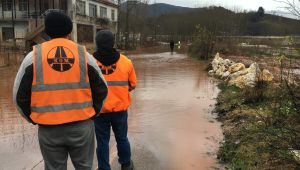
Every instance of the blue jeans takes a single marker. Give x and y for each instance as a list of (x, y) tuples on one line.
[(118, 122)]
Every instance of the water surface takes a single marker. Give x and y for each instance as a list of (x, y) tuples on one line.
[(170, 122)]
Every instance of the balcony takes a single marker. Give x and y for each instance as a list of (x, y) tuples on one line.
[(85, 19), (17, 16)]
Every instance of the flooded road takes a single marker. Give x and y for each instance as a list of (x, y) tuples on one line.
[(19, 147), (170, 122)]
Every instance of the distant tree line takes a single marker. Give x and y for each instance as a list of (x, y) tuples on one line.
[(217, 19)]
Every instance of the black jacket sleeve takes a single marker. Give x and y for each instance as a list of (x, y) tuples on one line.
[(22, 88), (98, 85), (24, 92)]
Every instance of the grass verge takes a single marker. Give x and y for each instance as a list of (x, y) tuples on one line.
[(261, 127)]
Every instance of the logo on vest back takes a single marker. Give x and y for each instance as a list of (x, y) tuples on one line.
[(107, 70), (60, 59)]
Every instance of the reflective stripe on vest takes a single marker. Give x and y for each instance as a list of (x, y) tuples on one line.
[(39, 68), (118, 83), (63, 86), (62, 107), (60, 96)]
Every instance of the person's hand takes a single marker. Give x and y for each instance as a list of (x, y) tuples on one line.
[(131, 88)]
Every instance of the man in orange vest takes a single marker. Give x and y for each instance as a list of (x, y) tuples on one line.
[(60, 87), (120, 75)]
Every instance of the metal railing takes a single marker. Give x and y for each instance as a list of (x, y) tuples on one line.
[(52, 10), (36, 24)]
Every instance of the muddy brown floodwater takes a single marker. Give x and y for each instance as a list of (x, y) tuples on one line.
[(171, 126)]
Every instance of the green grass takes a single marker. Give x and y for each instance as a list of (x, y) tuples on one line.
[(260, 128)]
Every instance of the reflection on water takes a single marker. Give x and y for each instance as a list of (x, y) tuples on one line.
[(170, 120), (171, 112), (18, 141)]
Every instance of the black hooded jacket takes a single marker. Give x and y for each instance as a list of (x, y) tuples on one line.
[(107, 56)]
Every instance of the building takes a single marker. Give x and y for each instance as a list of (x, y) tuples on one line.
[(22, 21)]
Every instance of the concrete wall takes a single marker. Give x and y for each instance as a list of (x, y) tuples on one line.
[(20, 28), (20, 31)]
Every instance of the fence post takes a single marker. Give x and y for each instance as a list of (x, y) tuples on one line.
[(8, 59)]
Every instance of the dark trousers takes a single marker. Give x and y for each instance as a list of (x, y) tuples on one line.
[(74, 139), (118, 122), (172, 49)]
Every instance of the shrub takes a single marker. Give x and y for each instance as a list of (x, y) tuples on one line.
[(203, 45)]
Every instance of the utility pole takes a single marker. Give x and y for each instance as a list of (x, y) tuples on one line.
[(13, 7), (127, 26), (118, 22), (155, 21), (2, 9), (129, 5)]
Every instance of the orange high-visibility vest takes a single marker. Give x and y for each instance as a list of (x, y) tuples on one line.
[(120, 77), (60, 89)]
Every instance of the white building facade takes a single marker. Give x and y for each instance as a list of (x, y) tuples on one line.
[(23, 20)]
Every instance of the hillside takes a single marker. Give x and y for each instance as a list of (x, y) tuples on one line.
[(155, 10), (174, 20)]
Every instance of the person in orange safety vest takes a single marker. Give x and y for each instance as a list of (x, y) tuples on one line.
[(60, 87), (120, 75)]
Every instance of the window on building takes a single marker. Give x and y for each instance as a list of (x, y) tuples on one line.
[(92, 10), (103, 12), (6, 5), (80, 7), (113, 17), (7, 33), (23, 5)]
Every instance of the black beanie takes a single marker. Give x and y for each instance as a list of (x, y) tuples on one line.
[(105, 39), (58, 24)]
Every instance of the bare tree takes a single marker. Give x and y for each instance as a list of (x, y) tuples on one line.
[(119, 2), (133, 11), (292, 6)]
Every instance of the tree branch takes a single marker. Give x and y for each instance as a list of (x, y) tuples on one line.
[(291, 6)]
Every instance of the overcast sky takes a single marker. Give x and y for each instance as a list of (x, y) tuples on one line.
[(232, 4)]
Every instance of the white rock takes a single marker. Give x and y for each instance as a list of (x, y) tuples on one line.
[(238, 73), (296, 154), (211, 72), (220, 71), (227, 62), (217, 62), (266, 76), (246, 80), (225, 75), (236, 67)]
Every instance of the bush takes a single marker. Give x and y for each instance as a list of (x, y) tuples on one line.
[(203, 45)]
